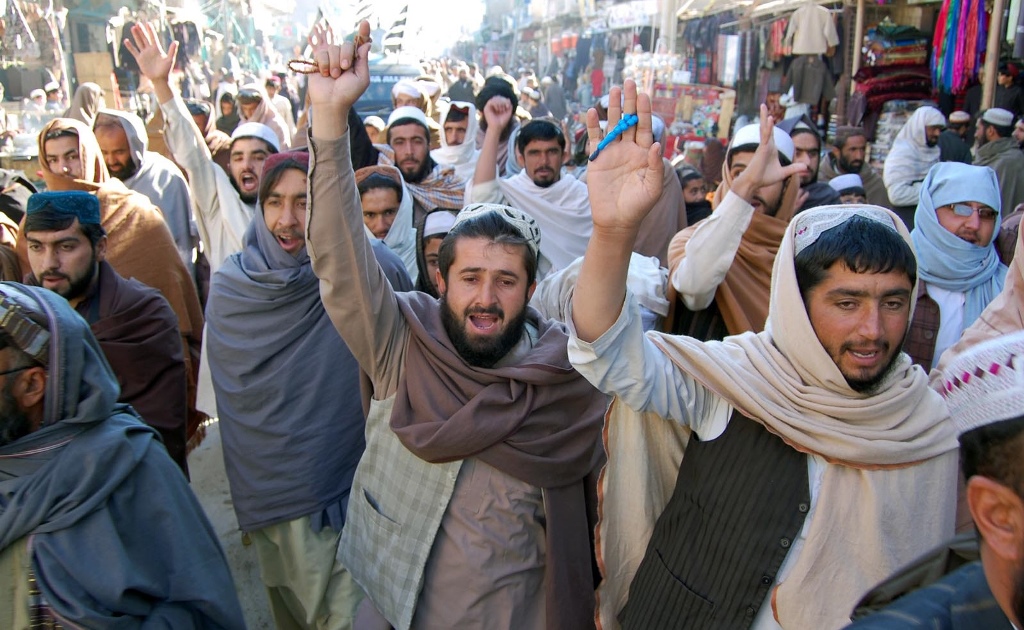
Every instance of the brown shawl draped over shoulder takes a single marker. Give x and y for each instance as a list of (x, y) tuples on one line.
[(139, 246), (742, 297), (538, 421)]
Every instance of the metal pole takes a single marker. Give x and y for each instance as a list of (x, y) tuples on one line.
[(996, 30), (858, 42)]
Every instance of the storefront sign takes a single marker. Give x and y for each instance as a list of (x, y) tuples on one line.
[(629, 14)]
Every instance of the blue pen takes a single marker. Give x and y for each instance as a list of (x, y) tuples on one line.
[(627, 121)]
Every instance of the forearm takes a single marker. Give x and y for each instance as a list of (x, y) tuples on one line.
[(904, 194), (487, 162), (356, 294), (329, 123), (710, 252), (601, 287), (162, 89)]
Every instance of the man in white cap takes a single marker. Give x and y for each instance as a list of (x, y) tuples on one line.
[(984, 392), (954, 228), (721, 267), (998, 150), (54, 97), (798, 441), (412, 93), (224, 202), (953, 146), (374, 126), (432, 185), (913, 153), (469, 504), (850, 188)]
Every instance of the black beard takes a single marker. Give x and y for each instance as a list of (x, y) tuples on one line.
[(129, 170), (80, 287), (870, 386), (483, 353), (14, 423), (848, 167), (245, 197), (421, 173)]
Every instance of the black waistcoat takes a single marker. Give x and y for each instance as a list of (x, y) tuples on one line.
[(739, 502)]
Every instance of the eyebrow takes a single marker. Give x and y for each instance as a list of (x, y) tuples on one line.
[(841, 292), (67, 239), (504, 272)]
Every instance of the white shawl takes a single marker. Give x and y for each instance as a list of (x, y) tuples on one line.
[(461, 157)]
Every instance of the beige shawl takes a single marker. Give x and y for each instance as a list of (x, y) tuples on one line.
[(887, 495)]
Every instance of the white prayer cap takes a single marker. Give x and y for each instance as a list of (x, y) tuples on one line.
[(37, 93), (52, 86), (257, 130), (524, 223), (408, 111), (985, 384), (810, 225), (959, 117), (998, 116), (428, 87), (846, 182), (438, 222), (751, 134), (407, 87), (374, 121)]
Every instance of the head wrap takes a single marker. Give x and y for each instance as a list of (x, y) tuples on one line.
[(946, 260), (914, 131), (257, 130), (461, 156), (406, 87), (93, 168), (401, 238), (374, 121), (134, 130), (524, 223), (72, 203), (986, 384), (26, 333), (87, 101)]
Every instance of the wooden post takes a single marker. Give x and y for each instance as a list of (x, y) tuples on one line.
[(996, 31)]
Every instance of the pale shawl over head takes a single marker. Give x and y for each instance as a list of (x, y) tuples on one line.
[(742, 297), (911, 157), (93, 168), (1004, 314), (461, 157), (946, 260), (401, 238), (87, 102), (887, 496)]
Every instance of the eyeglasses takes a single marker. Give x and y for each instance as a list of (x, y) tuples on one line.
[(984, 213), (12, 371)]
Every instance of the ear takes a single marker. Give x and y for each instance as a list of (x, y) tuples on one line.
[(999, 515), (30, 390), (529, 292), (441, 287), (101, 249), (520, 160)]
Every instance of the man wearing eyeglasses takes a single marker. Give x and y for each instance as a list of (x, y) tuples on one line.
[(998, 150), (959, 269)]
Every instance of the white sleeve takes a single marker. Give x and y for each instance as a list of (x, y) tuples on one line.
[(710, 252), (624, 362)]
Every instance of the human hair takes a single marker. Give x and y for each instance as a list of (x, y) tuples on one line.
[(375, 181), (862, 244), (408, 120), (456, 115), (492, 227), (197, 107), (274, 174), (48, 220), (796, 132), (1003, 131), (539, 129), (844, 134), (993, 451), (53, 134), (106, 121)]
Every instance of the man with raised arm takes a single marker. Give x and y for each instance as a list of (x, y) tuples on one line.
[(848, 462), (469, 506)]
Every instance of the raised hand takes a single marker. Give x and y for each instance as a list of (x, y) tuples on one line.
[(627, 177), (764, 168), (153, 62), (342, 71), (497, 113)]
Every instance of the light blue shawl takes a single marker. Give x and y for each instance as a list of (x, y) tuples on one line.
[(946, 260)]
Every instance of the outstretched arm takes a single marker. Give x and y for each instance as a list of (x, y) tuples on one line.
[(624, 183)]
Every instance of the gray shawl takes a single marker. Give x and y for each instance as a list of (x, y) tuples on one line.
[(117, 538), (287, 388)]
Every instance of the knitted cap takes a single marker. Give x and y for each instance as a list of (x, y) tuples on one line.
[(986, 384)]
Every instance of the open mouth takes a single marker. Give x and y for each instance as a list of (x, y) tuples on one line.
[(290, 243), (866, 356), (483, 323), (249, 182)]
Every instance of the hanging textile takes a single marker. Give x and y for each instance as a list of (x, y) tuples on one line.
[(958, 46)]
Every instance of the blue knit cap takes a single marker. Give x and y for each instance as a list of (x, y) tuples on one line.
[(79, 204)]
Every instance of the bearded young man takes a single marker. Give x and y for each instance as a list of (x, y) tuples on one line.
[(849, 156), (807, 151), (133, 323), (124, 142), (817, 460), (454, 522)]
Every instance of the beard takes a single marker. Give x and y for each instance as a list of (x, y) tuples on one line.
[(124, 173), (76, 288), (853, 166), (870, 385), (14, 423), (1018, 593), (483, 353), (418, 174)]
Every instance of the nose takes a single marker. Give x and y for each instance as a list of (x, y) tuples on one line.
[(486, 297), (287, 218), (377, 224), (974, 221), (871, 323), (51, 262)]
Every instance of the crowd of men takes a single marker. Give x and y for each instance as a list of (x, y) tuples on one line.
[(464, 380)]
